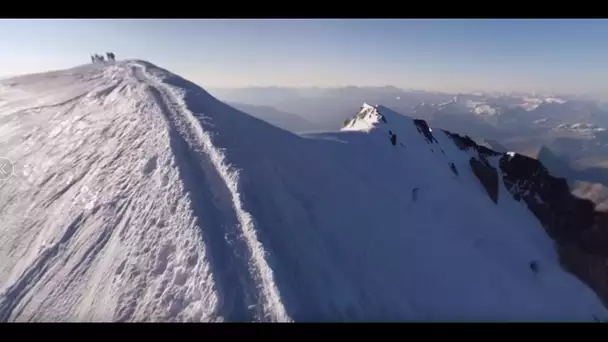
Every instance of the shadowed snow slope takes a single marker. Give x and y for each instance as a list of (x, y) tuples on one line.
[(138, 196)]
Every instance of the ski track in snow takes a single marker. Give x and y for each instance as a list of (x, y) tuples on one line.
[(139, 197)]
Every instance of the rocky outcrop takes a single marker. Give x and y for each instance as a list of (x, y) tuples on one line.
[(548, 197), (580, 232), (461, 142), (425, 130), (487, 175), (465, 142)]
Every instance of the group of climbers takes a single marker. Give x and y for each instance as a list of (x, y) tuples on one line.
[(96, 58)]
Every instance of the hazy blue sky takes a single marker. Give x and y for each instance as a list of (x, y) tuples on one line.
[(461, 55)]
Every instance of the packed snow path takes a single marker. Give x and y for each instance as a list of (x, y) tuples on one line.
[(137, 196), (128, 182), (245, 281)]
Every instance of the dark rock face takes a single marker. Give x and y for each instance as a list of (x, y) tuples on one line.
[(462, 143), (548, 197), (487, 175), (466, 142), (580, 232), (425, 130)]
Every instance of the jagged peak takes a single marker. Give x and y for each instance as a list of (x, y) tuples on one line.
[(383, 119), (368, 106), (367, 118), (564, 217)]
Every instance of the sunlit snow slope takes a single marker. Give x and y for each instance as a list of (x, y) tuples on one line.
[(138, 196)]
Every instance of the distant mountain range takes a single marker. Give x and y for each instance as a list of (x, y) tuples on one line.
[(569, 126), (138, 196), (287, 121)]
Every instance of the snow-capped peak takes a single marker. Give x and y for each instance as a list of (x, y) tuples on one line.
[(555, 100), (366, 119), (137, 196)]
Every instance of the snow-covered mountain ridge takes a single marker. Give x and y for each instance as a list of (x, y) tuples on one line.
[(138, 196), (580, 231)]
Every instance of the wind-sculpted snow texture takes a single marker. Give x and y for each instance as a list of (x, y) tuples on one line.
[(137, 196)]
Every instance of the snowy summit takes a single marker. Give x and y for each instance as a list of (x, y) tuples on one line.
[(138, 196)]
